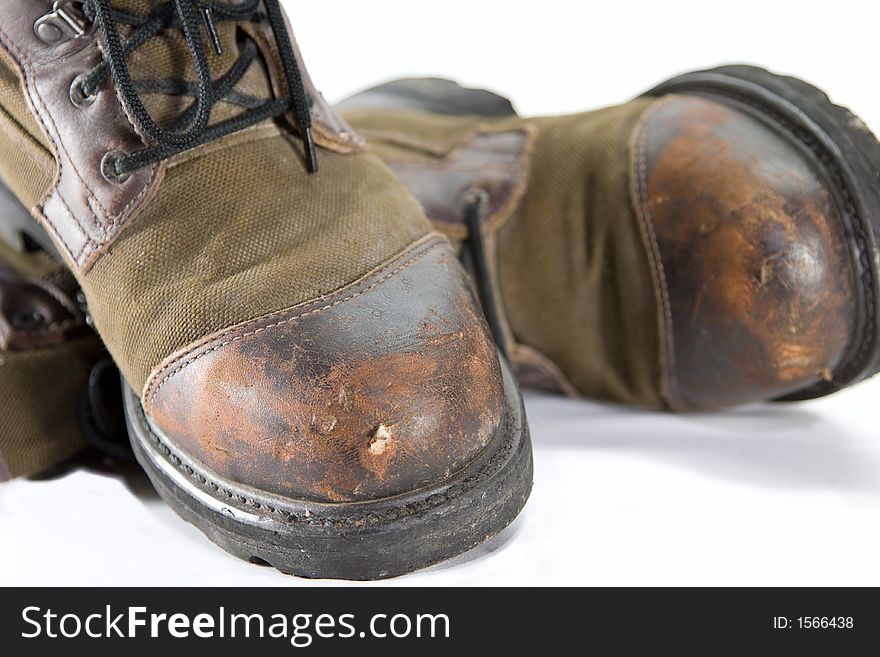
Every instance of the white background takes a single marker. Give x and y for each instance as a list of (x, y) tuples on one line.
[(764, 495)]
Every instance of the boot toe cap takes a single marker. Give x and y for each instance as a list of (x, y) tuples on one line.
[(755, 282), (389, 385)]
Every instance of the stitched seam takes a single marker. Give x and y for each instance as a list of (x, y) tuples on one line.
[(113, 220), (151, 393), (289, 320), (116, 224), (454, 154), (59, 235), (117, 218), (667, 351), (58, 143), (27, 69), (522, 170), (75, 254), (430, 241), (519, 169), (516, 168), (17, 54)]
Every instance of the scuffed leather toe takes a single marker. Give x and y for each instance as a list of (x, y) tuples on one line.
[(389, 385), (753, 276)]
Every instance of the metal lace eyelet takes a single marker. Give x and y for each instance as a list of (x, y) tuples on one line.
[(48, 31), (78, 95), (109, 168), (65, 21), (28, 320)]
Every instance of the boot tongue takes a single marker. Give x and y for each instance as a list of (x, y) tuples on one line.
[(167, 56)]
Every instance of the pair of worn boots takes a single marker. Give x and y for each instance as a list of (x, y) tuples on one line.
[(310, 375)]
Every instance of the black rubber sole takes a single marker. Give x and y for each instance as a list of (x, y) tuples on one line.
[(353, 541), (845, 151)]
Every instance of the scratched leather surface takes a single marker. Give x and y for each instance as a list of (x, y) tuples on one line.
[(373, 391), (752, 269)]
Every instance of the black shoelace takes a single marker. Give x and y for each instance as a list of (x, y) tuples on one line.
[(473, 257), (192, 128)]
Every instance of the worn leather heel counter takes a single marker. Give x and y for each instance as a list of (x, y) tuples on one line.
[(374, 391), (749, 254)]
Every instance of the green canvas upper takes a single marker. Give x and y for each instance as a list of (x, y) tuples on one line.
[(235, 229), (574, 275)]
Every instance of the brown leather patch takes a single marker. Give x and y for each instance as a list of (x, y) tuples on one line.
[(495, 162), (386, 386), (37, 313), (83, 210), (750, 259)]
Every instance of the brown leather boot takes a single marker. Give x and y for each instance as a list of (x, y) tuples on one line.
[(710, 243), (309, 378), (59, 391), (46, 354)]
